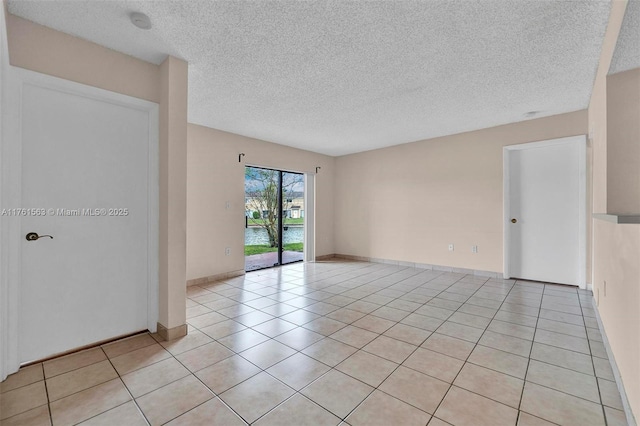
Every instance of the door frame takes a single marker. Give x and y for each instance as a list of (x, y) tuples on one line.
[(308, 249), (581, 141), (11, 197)]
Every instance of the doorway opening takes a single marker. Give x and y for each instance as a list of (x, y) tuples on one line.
[(274, 218)]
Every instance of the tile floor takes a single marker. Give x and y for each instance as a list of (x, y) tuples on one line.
[(347, 343)]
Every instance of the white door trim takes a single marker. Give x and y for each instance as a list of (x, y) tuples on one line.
[(11, 190), (582, 197), (309, 217)]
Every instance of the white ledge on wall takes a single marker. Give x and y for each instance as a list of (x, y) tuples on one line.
[(618, 218)]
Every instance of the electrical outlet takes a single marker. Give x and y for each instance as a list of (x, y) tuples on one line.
[(450, 247), (227, 251), (474, 249)]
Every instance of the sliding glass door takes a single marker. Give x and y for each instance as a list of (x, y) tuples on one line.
[(274, 218)]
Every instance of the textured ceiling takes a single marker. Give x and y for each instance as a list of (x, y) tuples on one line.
[(627, 53), (343, 76)]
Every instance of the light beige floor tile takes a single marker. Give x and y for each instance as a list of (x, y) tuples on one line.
[(354, 336), (515, 318), (415, 388), (301, 317), (227, 373), (497, 386), (222, 329), (562, 327), (615, 417), (337, 392), (80, 379), (478, 310), (321, 308), (274, 327), (435, 312), (404, 305), (434, 364), (383, 410), (461, 408), (346, 315), (267, 354), (437, 422), (506, 343), (139, 358), (173, 400), (610, 394), (562, 317), (563, 341), (24, 376), (36, 417), (470, 320), (422, 321), (374, 324), (188, 342), (366, 367), (298, 370), (329, 351), (525, 419), (73, 361), (204, 356), (126, 414), (22, 399), (391, 349), (212, 412), (123, 346), (389, 313), (299, 338), (253, 318), (89, 403), (562, 358), (324, 326), (511, 329), (156, 375), (564, 380), (603, 368), (243, 340), (207, 319), (559, 407), (503, 362), (449, 346), (301, 411), (408, 334), (460, 331), (256, 396)]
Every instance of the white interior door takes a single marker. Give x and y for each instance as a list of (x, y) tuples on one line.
[(545, 211), (87, 176)]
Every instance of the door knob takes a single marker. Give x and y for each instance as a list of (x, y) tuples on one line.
[(33, 236), (514, 220)]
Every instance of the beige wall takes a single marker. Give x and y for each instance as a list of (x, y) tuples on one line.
[(410, 201), (215, 177), (623, 146), (44, 50), (616, 248)]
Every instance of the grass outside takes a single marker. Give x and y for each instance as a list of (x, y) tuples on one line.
[(259, 249), (287, 221)]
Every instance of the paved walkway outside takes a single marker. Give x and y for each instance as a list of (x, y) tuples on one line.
[(267, 260)]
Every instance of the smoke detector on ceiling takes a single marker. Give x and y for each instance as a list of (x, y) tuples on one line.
[(140, 20)]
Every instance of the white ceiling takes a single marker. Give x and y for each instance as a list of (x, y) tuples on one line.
[(343, 76), (627, 53)]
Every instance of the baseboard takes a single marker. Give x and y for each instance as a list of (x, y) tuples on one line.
[(214, 278), (172, 333), (616, 373), (476, 272)]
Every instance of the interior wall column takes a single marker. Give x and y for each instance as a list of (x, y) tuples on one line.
[(173, 199)]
